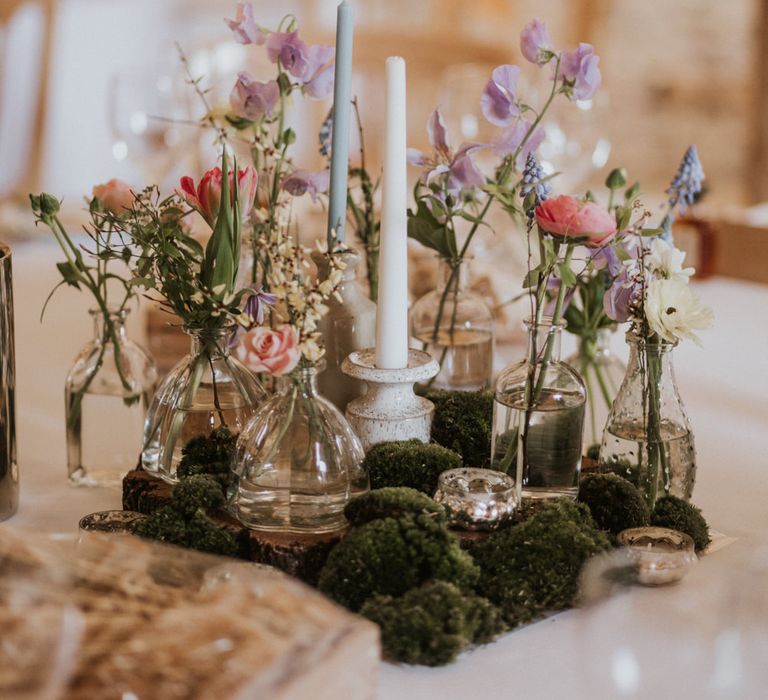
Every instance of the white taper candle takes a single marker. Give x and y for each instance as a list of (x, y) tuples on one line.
[(392, 314)]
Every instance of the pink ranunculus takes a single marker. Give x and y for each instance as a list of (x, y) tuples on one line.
[(206, 197), (115, 195), (265, 350), (569, 217)]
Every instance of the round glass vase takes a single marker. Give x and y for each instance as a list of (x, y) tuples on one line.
[(538, 418), (602, 373), (107, 393), (455, 326), (207, 389), (298, 462), (648, 438)]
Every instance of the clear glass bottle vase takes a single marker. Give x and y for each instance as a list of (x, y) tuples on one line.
[(207, 389), (298, 462), (107, 393), (455, 326), (538, 418), (648, 438), (602, 372)]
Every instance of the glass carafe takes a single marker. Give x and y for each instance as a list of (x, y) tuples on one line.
[(602, 373), (107, 393), (648, 438), (207, 389), (298, 462), (455, 326), (538, 417)]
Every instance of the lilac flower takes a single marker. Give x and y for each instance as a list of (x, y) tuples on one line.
[(535, 43), (686, 184), (290, 51), (244, 28), (457, 167), (533, 182), (510, 139), (251, 99), (257, 303), (299, 182), (580, 72), (498, 101), (318, 75)]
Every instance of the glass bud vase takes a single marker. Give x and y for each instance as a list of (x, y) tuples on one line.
[(107, 393), (602, 373), (455, 326), (298, 462), (207, 389), (538, 418), (648, 438)]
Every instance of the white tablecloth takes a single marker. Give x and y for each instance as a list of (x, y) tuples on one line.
[(725, 387)]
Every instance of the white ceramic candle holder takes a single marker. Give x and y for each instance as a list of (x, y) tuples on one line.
[(390, 410)]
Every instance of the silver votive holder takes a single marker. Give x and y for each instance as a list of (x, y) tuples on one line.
[(662, 556), (111, 521), (476, 499)]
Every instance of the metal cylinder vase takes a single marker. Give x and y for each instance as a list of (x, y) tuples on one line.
[(9, 470)]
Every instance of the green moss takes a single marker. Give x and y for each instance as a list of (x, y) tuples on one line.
[(534, 567), (391, 503), (210, 454), (615, 504), (675, 513), (409, 463), (200, 491), (463, 422), (390, 556), (165, 525), (432, 624), (204, 535)]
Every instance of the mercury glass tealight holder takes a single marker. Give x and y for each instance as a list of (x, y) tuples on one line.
[(661, 555), (476, 499)]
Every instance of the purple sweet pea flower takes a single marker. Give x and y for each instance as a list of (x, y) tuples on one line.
[(291, 51), (606, 258), (462, 172), (510, 139), (244, 28), (318, 76), (257, 304), (535, 44), (498, 99), (579, 69), (300, 182), (251, 99), (621, 296)]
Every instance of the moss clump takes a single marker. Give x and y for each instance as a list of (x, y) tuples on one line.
[(200, 491), (391, 503), (431, 624), (210, 454), (677, 514), (463, 422), (615, 504), (390, 556), (409, 463), (534, 567)]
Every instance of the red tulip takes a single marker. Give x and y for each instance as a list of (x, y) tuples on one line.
[(206, 198)]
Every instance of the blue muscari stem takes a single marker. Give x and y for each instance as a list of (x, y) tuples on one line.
[(684, 187), (533, 175)]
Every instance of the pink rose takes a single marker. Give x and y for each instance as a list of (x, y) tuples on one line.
[(206, 198), (573, 218), (265, 350), (115, 195)]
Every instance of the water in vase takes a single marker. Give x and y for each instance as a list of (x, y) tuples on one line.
[(554, 438), (465, 357)]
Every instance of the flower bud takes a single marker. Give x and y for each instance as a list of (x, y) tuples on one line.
[(616, 178)]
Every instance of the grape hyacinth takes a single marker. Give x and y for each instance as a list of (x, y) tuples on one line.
[(687, 181), (533, 182)]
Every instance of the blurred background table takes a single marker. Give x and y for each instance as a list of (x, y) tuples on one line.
[(724, 385)]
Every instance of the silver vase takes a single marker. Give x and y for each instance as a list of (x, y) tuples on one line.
[(9, 470)]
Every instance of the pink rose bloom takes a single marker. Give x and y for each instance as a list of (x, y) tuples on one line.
[(206, 198), (115, 195), (573, 218), (265, 350)]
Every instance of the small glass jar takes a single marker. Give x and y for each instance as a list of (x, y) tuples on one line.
[(107, 392), (602, 373), (648, 437), (298, 462), (455, 326), (476, 499), (207, 389), (538, 418)]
